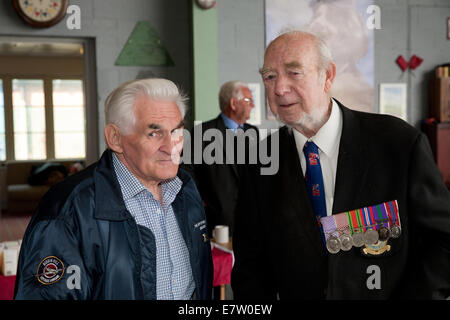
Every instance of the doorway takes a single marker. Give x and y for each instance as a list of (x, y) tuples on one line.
[(48, 120)]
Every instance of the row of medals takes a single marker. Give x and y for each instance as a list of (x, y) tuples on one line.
[(345, 242)]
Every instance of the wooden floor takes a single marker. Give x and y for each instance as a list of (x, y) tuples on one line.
[(13, 225)]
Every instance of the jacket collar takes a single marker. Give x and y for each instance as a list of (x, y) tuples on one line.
[(229, 123), (293, 192), (109, 202), (353, 162)]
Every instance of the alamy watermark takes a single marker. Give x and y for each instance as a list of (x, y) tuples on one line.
[(73, 21), (374, 280), (213, 147), (74, 280), (374, 20)]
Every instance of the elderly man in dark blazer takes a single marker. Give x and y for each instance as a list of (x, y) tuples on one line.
[(217, 173), (281, 245)]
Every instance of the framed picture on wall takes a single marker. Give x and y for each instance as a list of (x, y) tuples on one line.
[(393, 99), (448, 28)]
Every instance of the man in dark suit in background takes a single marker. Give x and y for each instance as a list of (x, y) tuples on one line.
[(217, 179), (365, 159)]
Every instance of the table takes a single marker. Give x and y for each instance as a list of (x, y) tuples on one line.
[(223, 261), (7, 287)]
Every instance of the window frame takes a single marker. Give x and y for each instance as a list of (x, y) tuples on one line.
[(7, 81), (92, 98)]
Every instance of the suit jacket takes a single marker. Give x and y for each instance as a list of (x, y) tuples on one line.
[(218, 182), (277, 244)]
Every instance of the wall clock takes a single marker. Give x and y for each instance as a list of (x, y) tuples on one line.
[(41, 13), (206, 4)]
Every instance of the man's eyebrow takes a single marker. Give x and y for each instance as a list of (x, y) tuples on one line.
[(156, 126), (264, 70), (289, 65), (181, 124)]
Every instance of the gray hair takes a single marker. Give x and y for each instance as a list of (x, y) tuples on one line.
[(120, 104), (230, 89), (323, 52)]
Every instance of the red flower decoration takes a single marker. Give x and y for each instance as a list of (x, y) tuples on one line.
[(415, 61), (402, 63)]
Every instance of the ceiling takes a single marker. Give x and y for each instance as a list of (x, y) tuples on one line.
[(41, 49)]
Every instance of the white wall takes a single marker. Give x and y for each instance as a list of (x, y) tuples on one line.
[(407, 27)]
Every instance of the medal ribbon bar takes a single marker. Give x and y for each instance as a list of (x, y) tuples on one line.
[(360, 220)]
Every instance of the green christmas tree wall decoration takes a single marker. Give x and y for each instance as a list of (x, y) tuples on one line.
[(144, 48)]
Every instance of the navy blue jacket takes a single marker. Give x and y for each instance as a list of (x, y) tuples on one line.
[(82, 243)]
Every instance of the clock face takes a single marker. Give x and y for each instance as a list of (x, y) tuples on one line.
[(41, 13)]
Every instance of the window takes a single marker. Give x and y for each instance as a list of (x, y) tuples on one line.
[(48, 119), (29, 119), (55, 114), (69, 119)]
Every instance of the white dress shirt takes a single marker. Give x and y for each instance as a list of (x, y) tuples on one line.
[(327, 140)]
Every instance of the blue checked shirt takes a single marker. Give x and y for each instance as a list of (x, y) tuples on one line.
[(174, 279)]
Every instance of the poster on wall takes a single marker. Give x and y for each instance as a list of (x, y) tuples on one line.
[(393, 99), (342, 25)]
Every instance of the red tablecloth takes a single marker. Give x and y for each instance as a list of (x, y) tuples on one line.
[(223, 263), (7, 287)]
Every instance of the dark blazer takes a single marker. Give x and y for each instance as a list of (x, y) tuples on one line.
[(218, 182), (277, 244)]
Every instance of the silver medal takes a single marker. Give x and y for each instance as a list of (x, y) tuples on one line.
[(346, 242), (370, 237), (395, 231), (358, 239), (333, 244)]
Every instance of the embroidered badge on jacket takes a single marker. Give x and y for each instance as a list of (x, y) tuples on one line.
[(50, 270)]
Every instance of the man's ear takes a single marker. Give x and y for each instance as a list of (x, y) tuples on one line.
[(113, 137), (233, 102), (329, 76)]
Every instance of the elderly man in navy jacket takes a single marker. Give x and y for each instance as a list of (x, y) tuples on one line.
[(132, 225)]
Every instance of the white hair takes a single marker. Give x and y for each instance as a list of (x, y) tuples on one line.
[(120, 104), (230, 89), (323, 52)]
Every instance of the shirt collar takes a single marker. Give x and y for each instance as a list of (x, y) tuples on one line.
[(170, 189), (230, 124), (328, 137), (131, 186)]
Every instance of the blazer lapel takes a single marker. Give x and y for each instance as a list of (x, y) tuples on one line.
[(293, 190), (352, 166)]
